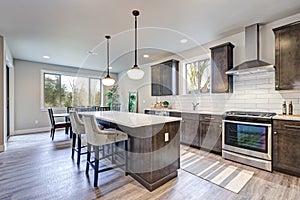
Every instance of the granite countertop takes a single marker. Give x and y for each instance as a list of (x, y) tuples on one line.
[(287, 117), (131, 120), (187, 111)]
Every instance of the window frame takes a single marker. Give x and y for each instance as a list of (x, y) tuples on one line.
[(42, 86)]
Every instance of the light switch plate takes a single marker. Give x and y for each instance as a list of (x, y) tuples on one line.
[(166, 137)]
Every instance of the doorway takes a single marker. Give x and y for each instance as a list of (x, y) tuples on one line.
[(7, 102)]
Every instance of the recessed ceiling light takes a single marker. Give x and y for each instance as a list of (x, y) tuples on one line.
[(146, 56), (183, 41), (46, 57), (92, 53)]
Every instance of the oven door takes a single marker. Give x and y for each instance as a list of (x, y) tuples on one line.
[(252, 139)]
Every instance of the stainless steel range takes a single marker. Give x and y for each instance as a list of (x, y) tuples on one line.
[(247, 138)]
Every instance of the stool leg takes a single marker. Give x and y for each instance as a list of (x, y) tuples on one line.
[(73, 145), (96, 166), (88, 159), (71, 132), (126, 157), (78, 149), (112, 153)]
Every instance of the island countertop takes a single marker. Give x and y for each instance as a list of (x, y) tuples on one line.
[(132, 120)]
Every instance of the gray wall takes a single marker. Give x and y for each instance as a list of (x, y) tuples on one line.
[(28, 94), (2, 94)]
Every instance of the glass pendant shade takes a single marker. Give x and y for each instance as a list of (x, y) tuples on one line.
[(135, 72), (108, 81)]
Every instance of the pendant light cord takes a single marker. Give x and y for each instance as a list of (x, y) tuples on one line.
[(107, 48), (135, 14), (135, 41)]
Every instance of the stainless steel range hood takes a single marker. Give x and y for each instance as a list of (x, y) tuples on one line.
[(252, 64)]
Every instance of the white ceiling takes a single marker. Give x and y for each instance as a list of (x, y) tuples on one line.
[(66, 30)]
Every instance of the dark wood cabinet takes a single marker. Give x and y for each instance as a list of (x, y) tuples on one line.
[(221, 61), (286, 146), (287, 56), (202, 131), (190, 134), (199, 130), (211, 133), (164, 78)]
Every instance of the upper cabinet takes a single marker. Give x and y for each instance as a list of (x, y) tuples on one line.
[(164, 78), (287, 56), (221, 61)]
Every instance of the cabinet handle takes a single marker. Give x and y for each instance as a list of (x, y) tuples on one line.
[(209, 118), (275, 133), (292, 127)]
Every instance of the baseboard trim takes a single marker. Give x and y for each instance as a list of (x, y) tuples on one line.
[(2, 148), (34, 130)]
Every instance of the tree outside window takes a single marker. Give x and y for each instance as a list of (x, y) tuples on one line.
[(198, 77), (66, 91)]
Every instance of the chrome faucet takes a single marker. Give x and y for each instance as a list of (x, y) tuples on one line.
[(195, 105)]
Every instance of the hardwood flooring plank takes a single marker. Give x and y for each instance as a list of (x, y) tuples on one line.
[(35, 167)]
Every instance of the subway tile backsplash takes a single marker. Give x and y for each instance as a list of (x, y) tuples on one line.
[(253, 92)]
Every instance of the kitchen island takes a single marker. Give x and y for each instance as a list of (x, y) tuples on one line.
[(154, 148)]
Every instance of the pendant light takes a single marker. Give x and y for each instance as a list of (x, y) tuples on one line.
[(135, 72), (108, 81)]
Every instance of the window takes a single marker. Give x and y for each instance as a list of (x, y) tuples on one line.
[(65, 90), (198, 76)]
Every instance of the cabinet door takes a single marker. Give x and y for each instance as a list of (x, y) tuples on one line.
[(164, 78), (286, 150), (155, 80), (190, 132), (211, 133), (166, 70), (287, 57), (221, 61)]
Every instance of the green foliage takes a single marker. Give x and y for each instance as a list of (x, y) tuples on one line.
[(51, 92), (113, 97), (132, 102), (165, 103)]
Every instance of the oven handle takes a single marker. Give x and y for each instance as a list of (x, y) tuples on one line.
[(247, 123)]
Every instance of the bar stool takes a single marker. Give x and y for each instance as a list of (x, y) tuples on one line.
[(97, 138), (78, 129)]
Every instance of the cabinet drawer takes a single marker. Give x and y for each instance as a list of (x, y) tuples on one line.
[(211, 118), (286, 125), (190, 116)]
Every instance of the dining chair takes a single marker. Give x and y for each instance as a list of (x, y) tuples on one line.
[(97, 138), (103, 108), (55, 125), (78, 130)]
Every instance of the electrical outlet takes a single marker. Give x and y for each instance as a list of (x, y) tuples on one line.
[(36, 121), (166, 137)]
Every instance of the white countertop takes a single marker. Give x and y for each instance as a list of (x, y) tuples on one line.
[(188, 111), (131, 120), (287, 117)]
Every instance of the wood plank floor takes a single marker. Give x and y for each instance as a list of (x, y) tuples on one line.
[(34, 167)]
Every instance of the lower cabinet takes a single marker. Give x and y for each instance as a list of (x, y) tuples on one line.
[(199, 130), (202, 131), (190, 130), (211, 133), (286, 146)]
